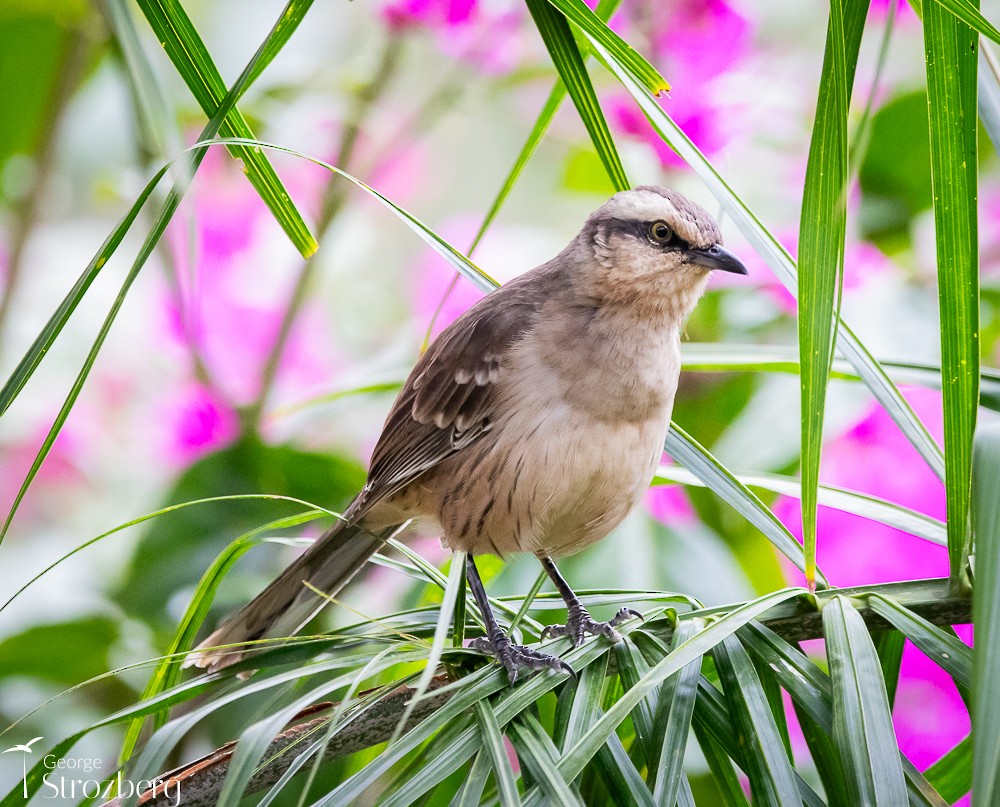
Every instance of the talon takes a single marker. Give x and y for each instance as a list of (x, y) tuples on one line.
[(514, 657), (579, 623)]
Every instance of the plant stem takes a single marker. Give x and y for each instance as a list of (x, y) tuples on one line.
[(333, 202), (67, 78)]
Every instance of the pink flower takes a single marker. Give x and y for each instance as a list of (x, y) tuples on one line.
[(195, 422), (686, 40), (874, 457), (62, 471), (467, 30)]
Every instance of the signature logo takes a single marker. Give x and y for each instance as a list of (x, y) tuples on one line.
[(24, 749)]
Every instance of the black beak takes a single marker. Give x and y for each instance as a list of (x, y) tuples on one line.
[(717, 258)]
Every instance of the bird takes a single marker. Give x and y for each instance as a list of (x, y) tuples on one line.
[(533, 423)]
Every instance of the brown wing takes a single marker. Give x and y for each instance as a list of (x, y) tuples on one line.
[(446, 403)]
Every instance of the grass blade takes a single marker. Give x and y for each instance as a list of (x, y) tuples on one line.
[(185, 48), (862, 724), (673, 721), (562, 47), (726, 780), (538, 755), (713, 474), (889, 645), (986, 618), (496, 751), (847, 501), (951, 49), (951, 775), (168, 672), (471, 792), (943, 648), (772, 779), (573, 762), (822, 231), (781, 263), (586, 20), (968, 12), (279, 34)]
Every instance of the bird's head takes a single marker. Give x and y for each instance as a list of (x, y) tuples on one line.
[(654, 249)]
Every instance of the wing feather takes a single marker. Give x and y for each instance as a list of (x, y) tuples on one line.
[(446, 403)]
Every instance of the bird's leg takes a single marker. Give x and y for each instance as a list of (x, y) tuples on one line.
[(512, 656), (578, 620)]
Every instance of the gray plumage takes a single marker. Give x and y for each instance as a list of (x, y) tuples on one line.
[(535, 421)]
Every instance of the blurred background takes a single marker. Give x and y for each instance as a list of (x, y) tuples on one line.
[(236, 366)]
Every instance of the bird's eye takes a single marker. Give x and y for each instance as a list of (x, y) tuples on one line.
[(660, 233)]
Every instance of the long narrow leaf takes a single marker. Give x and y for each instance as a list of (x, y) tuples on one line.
[(862, 724), (780, 262), (496, 752), (185, 48), (772, 779), (562, 47), (847, 501), (689, 453), (986, 617), (275, 40), (821, 246), (952, 62)]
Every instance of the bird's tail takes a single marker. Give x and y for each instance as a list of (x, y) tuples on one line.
[(287, 604)]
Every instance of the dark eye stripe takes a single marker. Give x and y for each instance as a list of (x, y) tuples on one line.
[(640, 230)]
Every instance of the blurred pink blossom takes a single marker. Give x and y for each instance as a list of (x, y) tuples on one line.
[(686, 39), (874, 457), (670, 505), (195, 422), (231, 305), (481, 34), (61, 472)]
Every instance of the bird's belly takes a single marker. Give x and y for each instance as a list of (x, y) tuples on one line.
[(559, 483)]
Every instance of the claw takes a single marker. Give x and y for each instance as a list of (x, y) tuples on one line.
[(515, 657), (579, 623)]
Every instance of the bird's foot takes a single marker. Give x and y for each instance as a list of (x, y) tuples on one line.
[(515, 657), (579, 623)]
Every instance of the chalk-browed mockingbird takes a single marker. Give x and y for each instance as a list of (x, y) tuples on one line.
[(533, 423)]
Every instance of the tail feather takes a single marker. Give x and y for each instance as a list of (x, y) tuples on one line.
[(287, 604)]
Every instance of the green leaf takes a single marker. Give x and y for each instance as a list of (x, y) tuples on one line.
[(573, 762), (562, 47), (673, 720), (862, 723), (493, 747), (471, 792), (822, 231), (185, 48), (724, 358), (167, 672), (986, 618), (765, 761), (538, 755), (713, 474), (951, 54), (951, 775), (275, 40), (586, 20), (847, 501), (730, 790), (944, 649), (889, 645), (968, 12), (780, 262)]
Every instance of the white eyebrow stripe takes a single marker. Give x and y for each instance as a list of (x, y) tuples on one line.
[(644, 206)]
